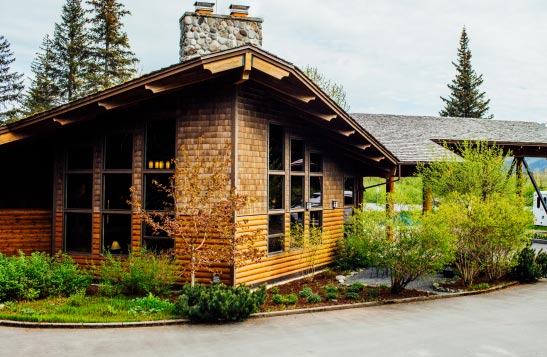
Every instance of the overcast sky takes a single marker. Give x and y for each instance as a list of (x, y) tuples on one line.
[(392, 57)]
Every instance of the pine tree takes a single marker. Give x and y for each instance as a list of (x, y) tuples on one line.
[(113, 61), (11, 83), (71, 52), (465, 100), (43, 93)]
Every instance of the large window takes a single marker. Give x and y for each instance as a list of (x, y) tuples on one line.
[(350, 196), (78, 200), (117, 180), (276, 189), (158, 170)]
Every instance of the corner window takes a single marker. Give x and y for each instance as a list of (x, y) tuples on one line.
[(276, 189), (349, 191), (276, 233)]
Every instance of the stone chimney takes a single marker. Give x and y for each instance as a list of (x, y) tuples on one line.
[(203, 32)]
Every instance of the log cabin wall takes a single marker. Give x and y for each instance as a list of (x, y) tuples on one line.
[(255, 111), (26, 230)]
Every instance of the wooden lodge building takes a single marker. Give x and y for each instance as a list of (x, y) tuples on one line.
[(66, 172)]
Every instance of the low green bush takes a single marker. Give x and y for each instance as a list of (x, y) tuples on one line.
[(314, 298), (480, 286), (356, 287), (351, 295), (372, 293), (140, 273), (38, 275), (331, 292), (289, 299), (216, 303), (306, 292), (530, 266)]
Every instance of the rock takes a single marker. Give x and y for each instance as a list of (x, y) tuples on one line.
[(222, 40), (340, 278), (252, 34), (188, 20), (223, 47), (242, 32), (214, 46)]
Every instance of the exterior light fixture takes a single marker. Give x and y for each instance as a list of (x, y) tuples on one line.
[(115, 246), (334, 204), (308, 206)]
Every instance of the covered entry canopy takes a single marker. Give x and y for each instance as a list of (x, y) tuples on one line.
[(414, 139)]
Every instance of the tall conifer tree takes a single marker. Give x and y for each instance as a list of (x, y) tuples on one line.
[(71, 52), (465, 99), (43, 93), (113, 61), (11, 83)]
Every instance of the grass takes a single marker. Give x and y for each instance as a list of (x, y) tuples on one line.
[(85, 309)]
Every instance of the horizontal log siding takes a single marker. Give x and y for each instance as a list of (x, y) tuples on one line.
[(25, 230)]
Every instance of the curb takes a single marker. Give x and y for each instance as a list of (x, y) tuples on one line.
[(97, 325), (539, 241)]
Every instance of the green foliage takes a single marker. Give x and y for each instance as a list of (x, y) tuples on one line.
[(38, 275), (274, 290), (11, 83), (297, 235), (335, 91), (530, 267), (480, 286), (356, 287), (465, 100), (306, 292), (331, 292), (314, 299), (372, 293), (408, 190), (289, 299), (216, 303), (141, 273), (112, 61), (351, 295), (150, 305)]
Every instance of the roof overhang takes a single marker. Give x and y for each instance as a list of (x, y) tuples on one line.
[(248, 63)]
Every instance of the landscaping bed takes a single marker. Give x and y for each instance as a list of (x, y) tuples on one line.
[(324, 284)]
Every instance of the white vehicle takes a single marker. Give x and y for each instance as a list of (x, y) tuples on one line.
[(540, 216)]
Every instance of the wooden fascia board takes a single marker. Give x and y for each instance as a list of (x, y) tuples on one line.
[(9, 137)]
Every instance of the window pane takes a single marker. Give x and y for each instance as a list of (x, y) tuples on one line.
[(277, 192), (316, 190), (297, 229), (316, 162), (276, 224), (80, 158), (160, 142), (158, 244), (79, 191), (297, 155), (316, 218), (276, 144), (297, 192), (156, 199), (78, 232), (118, 151), (349, 191), (116, 191), (117, 228)]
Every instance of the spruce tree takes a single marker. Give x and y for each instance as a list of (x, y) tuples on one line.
[(43, 93), (465, 99), (71, 52), (11, 83), (112, 60)]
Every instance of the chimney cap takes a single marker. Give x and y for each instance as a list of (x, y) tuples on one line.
[(239, 10), (204, 4), (204, 8)]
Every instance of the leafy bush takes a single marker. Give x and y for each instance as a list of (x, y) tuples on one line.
[(331, 292), (140, 273), (215, 303), (351, 295), (372, 293), (356, 287), (480, 286), (278, 299), (530, 266), (306, 292), (314, 298), (150, 305), (289, 299), (39, 275)]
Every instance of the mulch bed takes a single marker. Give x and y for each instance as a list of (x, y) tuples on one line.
[(318, 284)]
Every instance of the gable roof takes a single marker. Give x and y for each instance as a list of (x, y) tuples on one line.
[(282, 78), (414, 139)]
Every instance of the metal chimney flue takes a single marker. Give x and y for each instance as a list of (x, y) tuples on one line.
[(239, 10), (204, 8)]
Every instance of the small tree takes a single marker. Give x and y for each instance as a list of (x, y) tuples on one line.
[(11, 83), (203, 220), (335, 91), (465, 100)]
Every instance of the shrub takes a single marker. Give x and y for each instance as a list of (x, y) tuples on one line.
[(278, 299), (289, 299), (331, 292), (215, 303), (39, 275), (149, 305), (372, 293), (356, 287), (480, 286), (314, 298), (351, 295), (140, 273), (530, 266), (306, 292)]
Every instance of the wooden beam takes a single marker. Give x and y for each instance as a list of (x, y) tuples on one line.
[(364, 146), (248, 59), (269, 69), (108, 106), (346, 132), (63, 121), (10, 137), (225, 64), (285, 90)]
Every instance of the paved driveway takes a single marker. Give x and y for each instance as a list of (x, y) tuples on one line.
[(512, 322)]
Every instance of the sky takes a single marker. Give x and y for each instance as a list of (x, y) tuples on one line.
[(391, 57)]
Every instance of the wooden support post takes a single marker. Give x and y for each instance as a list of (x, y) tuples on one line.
[(390, 199), (520, 178), (360, 192), (427, 199)]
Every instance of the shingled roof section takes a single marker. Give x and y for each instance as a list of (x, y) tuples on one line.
[(414, 139)]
